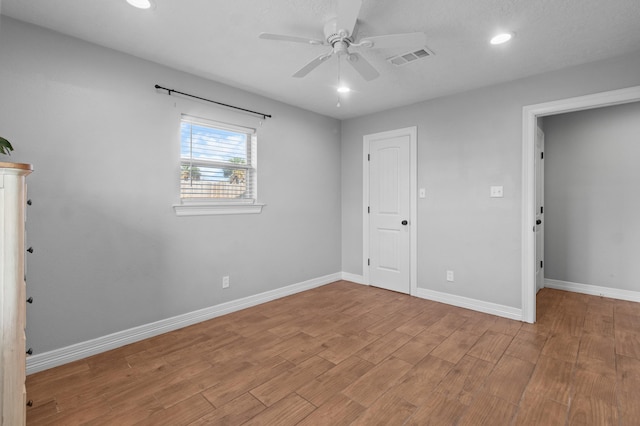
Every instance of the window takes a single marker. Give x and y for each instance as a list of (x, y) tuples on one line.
[(218, 172)]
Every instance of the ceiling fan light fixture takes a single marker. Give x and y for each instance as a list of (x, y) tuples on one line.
[(343, 89), (141, 4), (501, 38)]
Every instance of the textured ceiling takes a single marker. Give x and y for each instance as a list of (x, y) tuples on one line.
[(219, 40)]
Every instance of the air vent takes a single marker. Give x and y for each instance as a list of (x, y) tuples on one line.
[(409, 57)]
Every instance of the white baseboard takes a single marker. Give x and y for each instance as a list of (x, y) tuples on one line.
[(613, 293), (358, 279), (85, 349), (473, 304)]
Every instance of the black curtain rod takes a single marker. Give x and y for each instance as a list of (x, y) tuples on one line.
[(264, 116)]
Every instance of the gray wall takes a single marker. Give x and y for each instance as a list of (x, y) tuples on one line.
[(467, 143), (110, 253), (592, 197)]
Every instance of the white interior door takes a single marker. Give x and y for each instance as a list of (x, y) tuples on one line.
[(390, 211), (539, 171)]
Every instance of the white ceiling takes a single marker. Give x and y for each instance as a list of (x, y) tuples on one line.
[(219, 40)]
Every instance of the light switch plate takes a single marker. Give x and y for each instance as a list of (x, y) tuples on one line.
[(497, 192)]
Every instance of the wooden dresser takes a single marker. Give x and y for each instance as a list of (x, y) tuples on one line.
[(12, 293)]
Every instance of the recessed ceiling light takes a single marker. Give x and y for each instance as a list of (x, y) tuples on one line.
[(343, 89), (140, 4), (501, 38)]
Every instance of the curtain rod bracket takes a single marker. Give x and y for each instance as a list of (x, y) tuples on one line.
[(170, 91)]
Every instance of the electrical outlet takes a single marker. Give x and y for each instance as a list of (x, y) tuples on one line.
[(450, 276), (225, 281)]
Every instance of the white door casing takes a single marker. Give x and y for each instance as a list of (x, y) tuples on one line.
[(539, 172), (390, 210), (530, 115)]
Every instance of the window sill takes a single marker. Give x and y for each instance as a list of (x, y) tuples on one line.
[(206, 209)]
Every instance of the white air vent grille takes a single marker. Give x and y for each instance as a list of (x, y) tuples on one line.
[(409, 57)]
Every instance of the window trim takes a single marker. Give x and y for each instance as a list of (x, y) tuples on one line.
[(201, 207)]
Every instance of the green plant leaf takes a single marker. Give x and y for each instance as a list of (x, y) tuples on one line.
[(5, 146)]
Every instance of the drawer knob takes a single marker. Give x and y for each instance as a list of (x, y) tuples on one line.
[(30, 351), (30, 249), (30, 300)]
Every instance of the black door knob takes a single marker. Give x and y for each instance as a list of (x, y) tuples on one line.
[(30, 249), (30, 300), (404, 222), (30, 351), (30, 403), (538, 222), (29, 202)]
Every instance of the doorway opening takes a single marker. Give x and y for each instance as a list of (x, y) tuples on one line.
[(530, 117)]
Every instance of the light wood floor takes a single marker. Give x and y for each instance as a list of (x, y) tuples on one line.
[(350, 354)]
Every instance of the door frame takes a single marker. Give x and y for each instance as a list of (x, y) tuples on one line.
[(530, 114), (412, 132)]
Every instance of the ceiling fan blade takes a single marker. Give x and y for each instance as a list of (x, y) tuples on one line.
[(409, 40), (295, 39), (362, 66), (312, 65), (348, 11)]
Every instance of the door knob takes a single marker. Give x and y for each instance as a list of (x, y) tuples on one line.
[(404, 222), (538, 222), (30, 300)]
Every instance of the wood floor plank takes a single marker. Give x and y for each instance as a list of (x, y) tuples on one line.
[(448, 324), (592, 385), (380, 349), (488, 410), (422, 380), (628, 343), (599, 324), (344, 346), (377, 381), (234, 412), (288, 411), (526, 349), (454, 347), (333, 381), (491, 346), (587, 411), (389, 409), (544, 412), (414, 350), (232, 387), (562, 347), (509, 379), (465, 378), (287, 382), (338, 410), (551, 379), (437, 411)]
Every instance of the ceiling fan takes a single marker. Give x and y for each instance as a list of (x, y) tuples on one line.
[(340, 34)]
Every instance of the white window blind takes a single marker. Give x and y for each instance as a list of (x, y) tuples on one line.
[(218, 161)]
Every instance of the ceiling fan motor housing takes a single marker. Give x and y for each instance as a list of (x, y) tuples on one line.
[(338, 38)]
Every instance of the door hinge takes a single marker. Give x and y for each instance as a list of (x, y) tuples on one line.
[(542, 263), (542, 155), (368, 209), (541, 209), (369, 262), (368, 157)]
